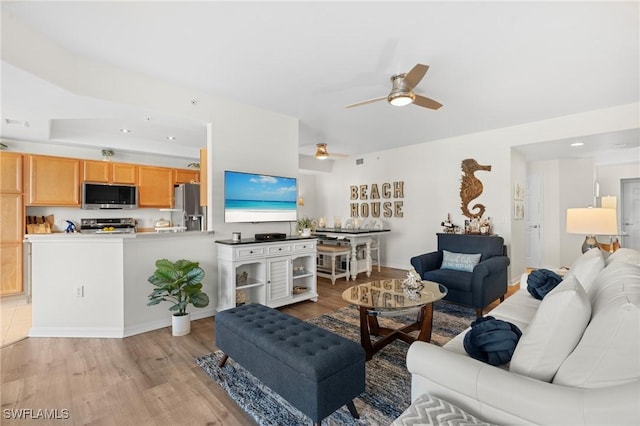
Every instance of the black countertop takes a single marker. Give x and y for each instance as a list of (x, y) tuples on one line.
[(254, 241)]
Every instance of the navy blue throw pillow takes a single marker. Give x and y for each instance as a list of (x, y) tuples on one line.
[(492, 340), (542, 281)]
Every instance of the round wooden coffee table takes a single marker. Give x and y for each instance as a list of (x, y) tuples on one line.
[(387, 298)]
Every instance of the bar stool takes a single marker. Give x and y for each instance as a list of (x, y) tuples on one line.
[(333, 252)]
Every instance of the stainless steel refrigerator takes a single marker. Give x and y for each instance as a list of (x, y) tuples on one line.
[(187, 210)]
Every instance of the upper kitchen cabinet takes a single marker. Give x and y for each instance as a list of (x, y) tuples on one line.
[(186, 176), (155, 186), (51, 181), (10, 173), (12, 223), (107, 172)]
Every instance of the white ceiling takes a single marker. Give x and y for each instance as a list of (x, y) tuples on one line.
[(492, 65)]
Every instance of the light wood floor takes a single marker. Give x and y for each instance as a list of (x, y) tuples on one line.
[(148, 379), (15, 319)]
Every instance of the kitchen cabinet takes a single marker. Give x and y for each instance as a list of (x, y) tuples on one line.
[(11, 211), (51, 181), (272, 273), (186, 176), (10, 173), (108, 172), (11, 277), (12, 223), (155, 187), (204, 173)]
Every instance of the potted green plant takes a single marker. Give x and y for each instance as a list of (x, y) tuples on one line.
[(304, 226), (179, 283)]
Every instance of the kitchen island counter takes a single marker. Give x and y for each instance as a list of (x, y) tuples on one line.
[(95, 285), (141, 234)]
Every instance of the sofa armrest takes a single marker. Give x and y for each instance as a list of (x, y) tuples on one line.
[(426, 262), (502, 397)]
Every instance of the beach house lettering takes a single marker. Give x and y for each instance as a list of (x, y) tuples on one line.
[(377, 200)]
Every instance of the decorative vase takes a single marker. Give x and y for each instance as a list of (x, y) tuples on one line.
[(181, 324)]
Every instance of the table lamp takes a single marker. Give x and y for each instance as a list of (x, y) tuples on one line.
[(591, 222)]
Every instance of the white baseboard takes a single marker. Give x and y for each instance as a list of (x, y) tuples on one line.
[(114, 332), (76, 332), (166, 322)]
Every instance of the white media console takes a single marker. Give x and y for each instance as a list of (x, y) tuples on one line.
[(273, 273)]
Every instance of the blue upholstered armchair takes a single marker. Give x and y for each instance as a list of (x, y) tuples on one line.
[(471, 284)]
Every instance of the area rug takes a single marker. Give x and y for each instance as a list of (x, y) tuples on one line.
[(387, 383)]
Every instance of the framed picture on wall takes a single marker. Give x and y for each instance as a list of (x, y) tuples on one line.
[(518, 209), (518, 191)]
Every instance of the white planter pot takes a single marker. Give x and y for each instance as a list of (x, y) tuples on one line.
[(181, 325), (306, 232)]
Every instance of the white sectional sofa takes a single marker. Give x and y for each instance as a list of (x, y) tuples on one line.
[(576, 363)]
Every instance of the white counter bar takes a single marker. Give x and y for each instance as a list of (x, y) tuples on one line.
[(95, 285)]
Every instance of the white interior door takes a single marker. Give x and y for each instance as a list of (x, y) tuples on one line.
[(630, 212), (533, 220)]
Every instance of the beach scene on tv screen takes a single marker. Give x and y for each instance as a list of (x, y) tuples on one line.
[(259, 198)]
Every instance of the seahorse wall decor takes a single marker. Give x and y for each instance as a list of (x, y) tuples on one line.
[(471, 188)]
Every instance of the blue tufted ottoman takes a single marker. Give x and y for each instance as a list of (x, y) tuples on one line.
[(315, 370)]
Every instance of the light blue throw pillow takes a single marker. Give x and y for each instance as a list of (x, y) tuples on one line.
[(459, 261)]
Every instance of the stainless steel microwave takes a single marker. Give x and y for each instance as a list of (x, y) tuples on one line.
[(108, 196)]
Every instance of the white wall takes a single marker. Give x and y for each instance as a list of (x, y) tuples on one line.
[(245, 138), (576, 182), (239, 137), (518, 227), (307, 191), (609, 176), (55, 149), (431, 172)]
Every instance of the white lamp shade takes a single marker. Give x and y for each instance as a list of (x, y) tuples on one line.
[(592, 221)]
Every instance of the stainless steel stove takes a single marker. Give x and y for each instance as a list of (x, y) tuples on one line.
[(125, 225)]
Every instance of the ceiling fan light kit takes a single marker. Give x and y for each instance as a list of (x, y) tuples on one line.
[(401, 93), (322, 153), (402, 90), (401, 99)]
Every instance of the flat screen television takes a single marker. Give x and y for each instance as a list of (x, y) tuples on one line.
[(250, 197)]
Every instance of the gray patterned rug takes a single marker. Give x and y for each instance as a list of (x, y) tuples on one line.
[(388, 383)]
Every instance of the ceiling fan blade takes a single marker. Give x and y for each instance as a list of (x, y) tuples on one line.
[(338, 155), (368, 101), (426, 102), (414, 76)]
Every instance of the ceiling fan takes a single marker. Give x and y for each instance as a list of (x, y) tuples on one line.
[(402, 90), (323, 154)]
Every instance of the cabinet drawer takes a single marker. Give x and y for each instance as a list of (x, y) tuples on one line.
[(248, 252), (308, 246), (279, 249)]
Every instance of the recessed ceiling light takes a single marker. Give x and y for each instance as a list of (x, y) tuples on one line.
[(171, 138), (13, 122), (577, 144), (148, 118), (125, 131)]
